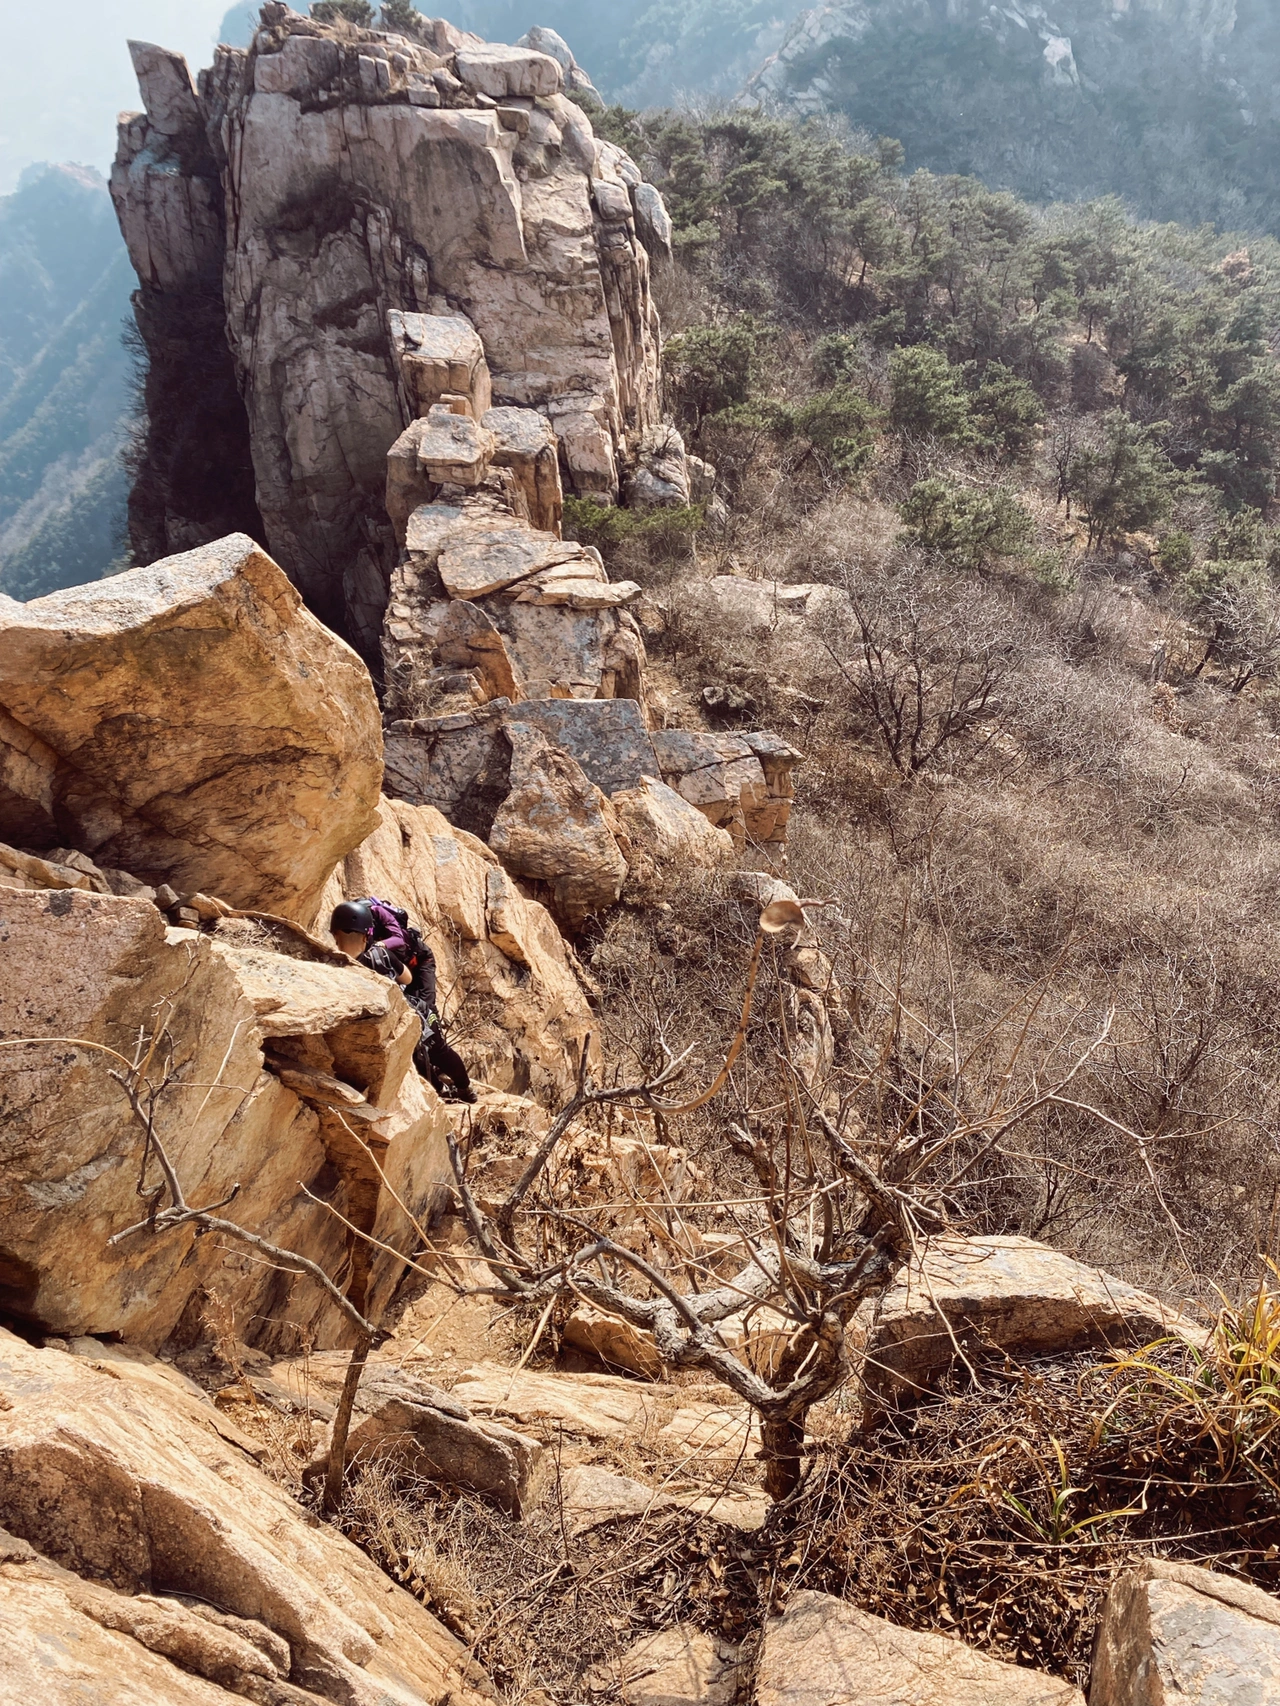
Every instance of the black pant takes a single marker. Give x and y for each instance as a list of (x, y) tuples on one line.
[(433, 1057)]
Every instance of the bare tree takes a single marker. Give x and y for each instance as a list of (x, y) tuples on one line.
[(834, 1222), (924, 673)]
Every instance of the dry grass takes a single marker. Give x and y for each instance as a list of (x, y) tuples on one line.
[(1111, 826), (999, 1512)]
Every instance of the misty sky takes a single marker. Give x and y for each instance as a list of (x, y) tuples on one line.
[(65, 72)]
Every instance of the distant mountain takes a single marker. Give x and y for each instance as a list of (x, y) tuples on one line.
[(648, 53), (1172, 104), (65, 281), (644, 53)]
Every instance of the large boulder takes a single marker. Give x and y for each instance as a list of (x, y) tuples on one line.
[(414, 1429), (87, 975), (822, 1652), (681, 1666), (135, 1510), (740, 783), (556, 827), (971, 1295), (1174, 1632), (667, 839), (191, 723), (614, 1342)]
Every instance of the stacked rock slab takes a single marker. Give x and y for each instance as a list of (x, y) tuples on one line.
[(488, 600), (350, 173), (568, 780), (741, 784)]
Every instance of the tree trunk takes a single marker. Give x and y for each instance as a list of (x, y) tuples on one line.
[(783, 1453), (342, 1424)]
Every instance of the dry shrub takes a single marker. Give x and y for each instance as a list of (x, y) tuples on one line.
[(1002, 1514), (1100, 823), (537, 1606)]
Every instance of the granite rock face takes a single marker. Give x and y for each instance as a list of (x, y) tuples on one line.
[(196, 480), (338, 179), (190, 723), (105, 969), (571, 792), (188, 738), (150, 1561), (501, 960), (1173, 1631), (280, 1051), (822, 1652)]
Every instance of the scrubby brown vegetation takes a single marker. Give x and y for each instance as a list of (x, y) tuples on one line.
[(1035, 451)]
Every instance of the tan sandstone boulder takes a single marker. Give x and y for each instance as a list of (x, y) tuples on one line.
[(683, 1666), (1174, 1632), (206, 730), (614, 1342), (98, 972), (668, 838), (417, 1430), (124, 1484), (1002, 1293), (822, 1652)]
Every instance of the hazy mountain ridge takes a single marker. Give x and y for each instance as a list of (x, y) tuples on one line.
[(650, 52), (1170, 103), (64, 381)]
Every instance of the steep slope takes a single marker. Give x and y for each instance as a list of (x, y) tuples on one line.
[(64, 381)]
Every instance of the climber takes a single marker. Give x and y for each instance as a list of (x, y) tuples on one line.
[(380, 936)]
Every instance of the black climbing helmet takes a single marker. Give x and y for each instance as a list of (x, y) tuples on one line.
[(352, 918)]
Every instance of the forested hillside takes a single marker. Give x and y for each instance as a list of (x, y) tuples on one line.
[(1036, 450), (65, 281), (1169, 103)]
